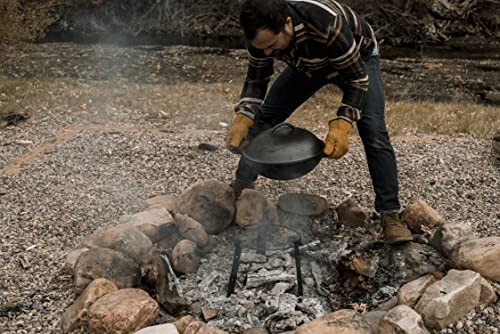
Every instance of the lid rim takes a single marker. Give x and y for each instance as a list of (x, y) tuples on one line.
[(262, 162)]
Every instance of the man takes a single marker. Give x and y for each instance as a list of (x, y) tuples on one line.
[(323, 42)]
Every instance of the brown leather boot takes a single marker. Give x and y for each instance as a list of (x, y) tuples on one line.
[(395, 231), (238, 186)]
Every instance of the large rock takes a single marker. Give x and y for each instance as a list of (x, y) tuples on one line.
[(350, 213), (253, 208), (374, 318), (168, 202), (303, 204), (122, 238), (197, 327), (449, 235), (106, 263), (449, 299), (72, 258), (192, 230), (410, 293), (481, 255), (75, 315), (153, 223), (185, 258), (402, 320), (159, 329), (209, 202), (122, 312), (488, 293), (418, 215), (183, 323), (342, 321)]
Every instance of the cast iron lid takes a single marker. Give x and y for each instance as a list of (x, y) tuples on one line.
[(283, 144)]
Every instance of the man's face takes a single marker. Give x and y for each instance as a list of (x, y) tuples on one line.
[(275, 45)]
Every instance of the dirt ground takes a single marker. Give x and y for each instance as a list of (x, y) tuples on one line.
[(108, 127)]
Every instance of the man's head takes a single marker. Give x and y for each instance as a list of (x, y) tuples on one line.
[(267, 25)]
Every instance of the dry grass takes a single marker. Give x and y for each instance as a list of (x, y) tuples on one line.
[(206, 105)]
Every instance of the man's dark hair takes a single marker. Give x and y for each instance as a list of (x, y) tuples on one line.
[(263, 14)]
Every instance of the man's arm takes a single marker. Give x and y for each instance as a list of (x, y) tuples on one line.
[(345, 57), (260, 71)]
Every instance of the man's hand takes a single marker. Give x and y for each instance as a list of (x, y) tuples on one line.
[(337, 140), (237, 132)]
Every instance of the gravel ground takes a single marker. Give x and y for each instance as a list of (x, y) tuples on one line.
[(92, 178)]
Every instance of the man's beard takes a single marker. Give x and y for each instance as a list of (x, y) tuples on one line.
[(278, 53)]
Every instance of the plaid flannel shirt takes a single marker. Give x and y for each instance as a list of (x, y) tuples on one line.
[(329, 40)]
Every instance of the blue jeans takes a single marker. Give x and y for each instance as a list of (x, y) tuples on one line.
[(292, 88)]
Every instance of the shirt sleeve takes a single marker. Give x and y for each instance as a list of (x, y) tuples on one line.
[(260, 71), (344, 55)]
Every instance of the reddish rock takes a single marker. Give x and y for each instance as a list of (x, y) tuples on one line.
[(76, 315), (122, 312), (183, 323), (350, 213), (419, 214), (197, 327), (342, 321), (185, 258)]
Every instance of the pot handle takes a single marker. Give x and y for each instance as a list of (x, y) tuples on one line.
[(281, 125)]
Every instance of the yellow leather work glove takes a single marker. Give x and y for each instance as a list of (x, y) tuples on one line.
[(237, 132), (337, 139)]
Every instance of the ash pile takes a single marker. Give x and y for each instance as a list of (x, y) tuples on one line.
[(203, 262)]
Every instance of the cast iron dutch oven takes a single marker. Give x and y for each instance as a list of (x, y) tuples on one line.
[(284, 152)]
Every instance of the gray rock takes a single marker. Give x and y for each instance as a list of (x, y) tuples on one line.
[(303, 204), (410, 293), (72, 258), (342, 321), (168, 202), (106, 263), (122, 238), (450, 299), (75, 315), (481, 255), (153, 223), (402, 320), (185, 258), (413, 260), (350, 213), (252, 208), (209, 202), (449, 235), (418, 215)]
